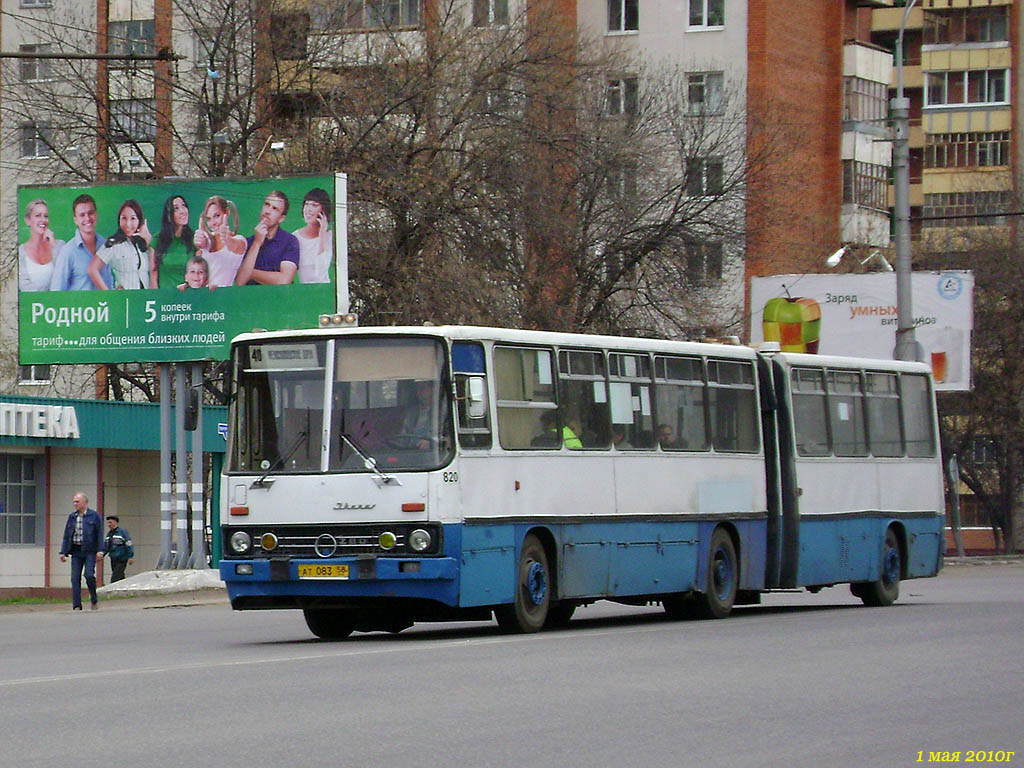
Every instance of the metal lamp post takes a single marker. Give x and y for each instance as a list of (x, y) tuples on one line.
[(907, 347)]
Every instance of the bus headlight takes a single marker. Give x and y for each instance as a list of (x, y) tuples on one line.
[(419, 540), (241, 542)]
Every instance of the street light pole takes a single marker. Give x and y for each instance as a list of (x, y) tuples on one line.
[(907, 347)]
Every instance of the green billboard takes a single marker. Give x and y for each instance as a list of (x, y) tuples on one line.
[(171, 271)]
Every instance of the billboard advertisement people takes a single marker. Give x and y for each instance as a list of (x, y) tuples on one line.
[(272, 257), (127, 252), (174, 243), (36, 256), (315, 238), (71, 268), (68, 314), (218, 243)]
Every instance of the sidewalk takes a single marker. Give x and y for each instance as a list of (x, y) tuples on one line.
[(152, 589)]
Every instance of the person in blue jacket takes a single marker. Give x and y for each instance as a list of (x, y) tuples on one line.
[(83, 542), (118, 546)]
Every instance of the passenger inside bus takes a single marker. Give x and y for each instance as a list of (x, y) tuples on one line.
[(667, 437)]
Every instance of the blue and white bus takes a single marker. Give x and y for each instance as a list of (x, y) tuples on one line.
[(381, 476)]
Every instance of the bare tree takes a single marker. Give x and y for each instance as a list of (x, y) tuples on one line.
[(507, 174), (985, 426)]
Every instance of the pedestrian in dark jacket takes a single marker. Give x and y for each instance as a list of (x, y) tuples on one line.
[(119, 548), (82, 542)]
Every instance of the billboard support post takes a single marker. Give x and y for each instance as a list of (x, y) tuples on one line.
[(166, 503), (181, 466), (198, 559)]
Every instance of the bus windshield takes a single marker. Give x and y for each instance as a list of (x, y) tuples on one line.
[(388, 400)]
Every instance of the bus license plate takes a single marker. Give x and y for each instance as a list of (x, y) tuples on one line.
[(323, 571)]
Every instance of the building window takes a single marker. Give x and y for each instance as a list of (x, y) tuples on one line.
[(132, 38), (706, 14), (974, 86), (623, 15), (33, 374), (703, 262), (865, 100), (291, 36), (18, 495), (211, 52), (967, 150), (866, 184), (35, 69), (704, 176), (966, 25), (132, 120), (36, 139), (35, 4), (622, 182), (621, 96), (364, 14), (704, 92), (983, 451), (490, 13), (960, 209)]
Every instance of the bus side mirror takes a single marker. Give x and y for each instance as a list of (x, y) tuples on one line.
[(476, 398)]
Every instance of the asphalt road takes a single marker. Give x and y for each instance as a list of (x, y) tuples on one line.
[(803, 680)]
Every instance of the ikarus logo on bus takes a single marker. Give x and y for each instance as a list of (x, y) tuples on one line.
[(346, 505)]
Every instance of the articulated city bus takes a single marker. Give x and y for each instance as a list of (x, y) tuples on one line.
[(381, 476)]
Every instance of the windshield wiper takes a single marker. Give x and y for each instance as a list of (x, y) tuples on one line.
[(281, 460), (368, 461)]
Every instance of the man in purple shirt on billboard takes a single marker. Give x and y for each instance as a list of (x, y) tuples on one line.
[(272, 255)]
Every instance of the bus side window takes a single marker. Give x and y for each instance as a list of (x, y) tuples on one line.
[(632, 410), (810, 416), (471, 405), (883, 405), (732, 406), (846, 411), (583, 399), (525, 391), (917, 415), (680, 404)]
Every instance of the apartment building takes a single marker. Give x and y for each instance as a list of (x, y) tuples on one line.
[(960, 73)]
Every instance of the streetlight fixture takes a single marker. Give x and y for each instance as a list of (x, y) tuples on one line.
[(907, 347), (833, 261)]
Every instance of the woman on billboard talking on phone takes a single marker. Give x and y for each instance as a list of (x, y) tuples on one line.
[(127, 252)]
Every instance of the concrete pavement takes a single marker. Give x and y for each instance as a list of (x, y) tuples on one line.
[(152, 589)]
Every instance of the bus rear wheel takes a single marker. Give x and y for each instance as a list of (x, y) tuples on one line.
[(330, 624), (886, 589), (721, 580), (529, 608)]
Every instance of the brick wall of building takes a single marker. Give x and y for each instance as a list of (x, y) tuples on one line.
[(794, 95)]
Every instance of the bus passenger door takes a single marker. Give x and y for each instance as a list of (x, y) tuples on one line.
[(769, 430), (788, 532)]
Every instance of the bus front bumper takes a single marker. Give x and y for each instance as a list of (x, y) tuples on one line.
[(433, 578)]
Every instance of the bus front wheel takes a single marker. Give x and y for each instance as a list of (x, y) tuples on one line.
[(721, 580), (529, 608), (330, 624), (886, 589)]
